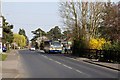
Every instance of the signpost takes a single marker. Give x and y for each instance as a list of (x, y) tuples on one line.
[(1, 30), (0, 47), (1, 21), (1, 33)]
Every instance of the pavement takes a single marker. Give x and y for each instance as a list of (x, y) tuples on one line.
[(10, 65), (105, 64), (0, 69)]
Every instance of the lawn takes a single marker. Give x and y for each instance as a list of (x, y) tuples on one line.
[(3, 57)]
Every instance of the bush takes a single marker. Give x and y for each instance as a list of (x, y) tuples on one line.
[(96, 43), (111, 52), (115, 46), (79, 46)]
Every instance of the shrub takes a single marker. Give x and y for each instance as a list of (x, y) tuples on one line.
[(78, 47), (112, 46), (111, 52), (96, 43)]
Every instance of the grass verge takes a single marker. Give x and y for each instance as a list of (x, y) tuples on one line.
[(3, 57)]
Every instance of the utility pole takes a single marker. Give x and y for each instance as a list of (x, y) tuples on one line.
[(1, 29)]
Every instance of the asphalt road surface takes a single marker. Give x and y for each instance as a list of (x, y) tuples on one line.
[(34, 64)]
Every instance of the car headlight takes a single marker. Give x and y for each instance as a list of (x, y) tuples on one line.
[(51, 48)]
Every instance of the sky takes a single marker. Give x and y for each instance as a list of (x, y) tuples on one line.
[(32, 14)]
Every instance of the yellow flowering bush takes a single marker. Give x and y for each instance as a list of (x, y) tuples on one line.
[(96, 43)]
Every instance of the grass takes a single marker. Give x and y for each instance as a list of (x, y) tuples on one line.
[(3, 57)]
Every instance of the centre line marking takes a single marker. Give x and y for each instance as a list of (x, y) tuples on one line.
[(67, 66), (50, 59), (79, 71), (71, 58), (45, 56), (58, 62)]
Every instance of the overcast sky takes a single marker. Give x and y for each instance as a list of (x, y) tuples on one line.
[(32, 14)]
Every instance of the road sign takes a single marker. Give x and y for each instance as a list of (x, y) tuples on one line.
[(1, 22), (1, 32), (0, 47)]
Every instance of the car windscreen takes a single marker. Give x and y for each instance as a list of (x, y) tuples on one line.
[(56, 43)]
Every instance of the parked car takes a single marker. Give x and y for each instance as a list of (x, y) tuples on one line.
[(4, 49), (32, 48)]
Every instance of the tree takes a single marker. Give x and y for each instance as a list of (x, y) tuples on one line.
[(22, 32), (20, 40), (7, 33), (66, 35), (110, 28), (54, 33), (37, 33), (82, 19)]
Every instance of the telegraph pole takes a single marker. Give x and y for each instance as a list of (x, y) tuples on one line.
[(1, 24)]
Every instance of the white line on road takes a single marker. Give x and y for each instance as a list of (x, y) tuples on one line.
[(50, 59), (58, 62), (45, 56), (71, 58), (67, 66), (78, 71)]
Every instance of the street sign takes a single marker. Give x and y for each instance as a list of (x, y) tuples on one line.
[(1, 32), (1, 22), (0, 47)]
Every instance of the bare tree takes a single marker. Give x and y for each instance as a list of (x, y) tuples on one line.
[(82, 18), (95, 18), (110, 28)]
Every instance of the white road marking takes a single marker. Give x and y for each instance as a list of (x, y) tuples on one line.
[(45, 56), (71, 58), (50, 59), (42, 55), (67, 66), (78, 71), (58, 62)]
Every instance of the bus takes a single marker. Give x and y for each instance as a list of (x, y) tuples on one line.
[(52, 47)]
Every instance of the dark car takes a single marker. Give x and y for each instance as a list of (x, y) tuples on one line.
[(4, 49)]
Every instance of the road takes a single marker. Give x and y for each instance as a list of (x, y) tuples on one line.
[(33, 64)]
